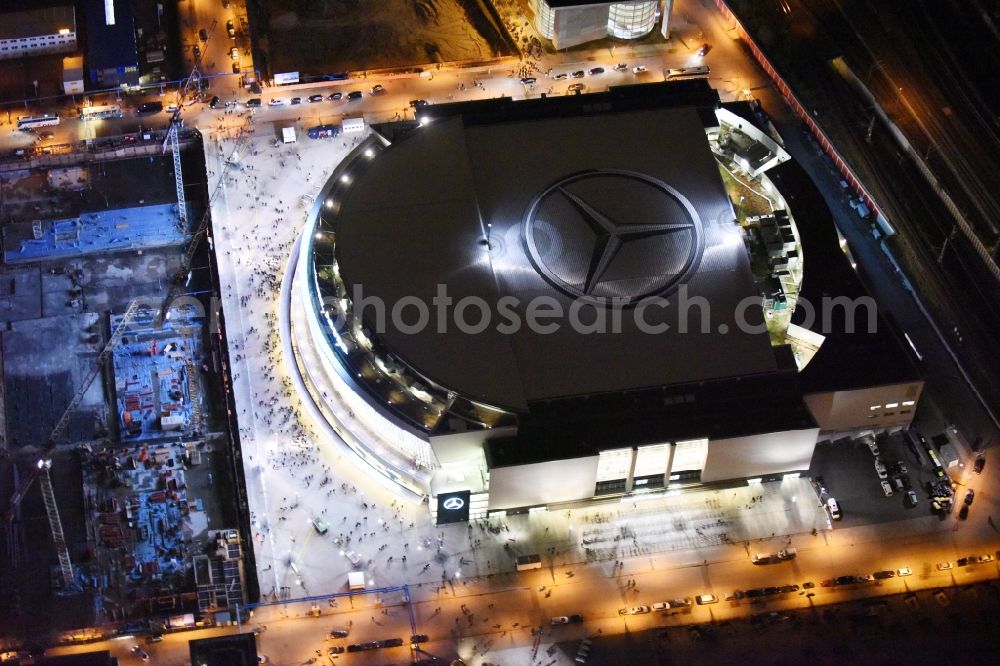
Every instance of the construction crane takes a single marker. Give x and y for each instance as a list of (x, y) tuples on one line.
[(41, 469), (172, 143)]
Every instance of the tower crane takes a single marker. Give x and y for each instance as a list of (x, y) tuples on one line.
[(41, 469)]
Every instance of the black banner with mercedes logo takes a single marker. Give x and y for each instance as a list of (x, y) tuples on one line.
[(453, 507)]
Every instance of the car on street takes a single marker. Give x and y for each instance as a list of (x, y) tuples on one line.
[(911, 498), (905, 571), (236, 68), (139, 652), (705, 599), (899, 467), (354, 94), (419, 638), (834, 508), (887, 489), (634, 610), (333, 97), (966, 561), (882, 575), (980, 464), (561, 76), (680, 603), (660, 606), (528, 80), (295, 100), (579, 74), (945, 566), (963, 513), (377, 89), (336, 649), (197, 51), (234, 53), (560, 619), (872, 446), (149, 107), (276, 102), (576, 87), (353, 557), (639, 69), (880, 469), (214, 103), (983, 559), (969, 497), (230, 30), (315, 98), (203, 35), (621, 67), (705, 48), (594, 71), (785, 589), (320, 525), (417, 103)]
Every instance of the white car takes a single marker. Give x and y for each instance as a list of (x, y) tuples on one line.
[(834, 508), (276, 102), (945, 566), (887, 489), (705, 599), (905, 571), (660, 606), (639, 69), (377, 89), (234, 53), (634, 610)]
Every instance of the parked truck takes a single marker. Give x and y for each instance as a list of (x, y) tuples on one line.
[(323, 131), (773, 558)]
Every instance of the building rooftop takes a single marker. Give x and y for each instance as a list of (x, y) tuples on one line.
[(720, 409), (35, 22), (110, 46), (545, 181)]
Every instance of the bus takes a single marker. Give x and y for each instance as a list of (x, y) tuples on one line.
[(100, 112), (688, 72), (28, 123)]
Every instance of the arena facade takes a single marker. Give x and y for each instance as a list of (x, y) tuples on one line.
[(508, 305)]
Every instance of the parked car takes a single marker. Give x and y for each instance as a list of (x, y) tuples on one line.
[(561, 76), (560, 619), (969, 497), (528, 80), (639, 69), (354, 94), (336, 649), (234, 53), (880, 469), (911, 498), (315, 98), (203, 35), (680, 603), (834, 508), (905, 571), (887, 489), (295, 100), (139, 652), (579, 74), (621, 67), (705, 599), (576, 87), (705, 48), (634, 610), (335, 96), (419, 638), (660, 606), (197, 51), (980, 464), (214, 103), (882, 575), (276, 102), (417, 103), (983, 559), (320, 525), (236, 68), (377, 89), (945, 566), (230, 30), (899, 467), (872, 446), (594, 71)]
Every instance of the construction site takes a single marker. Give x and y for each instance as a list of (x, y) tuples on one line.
[(115, 448)]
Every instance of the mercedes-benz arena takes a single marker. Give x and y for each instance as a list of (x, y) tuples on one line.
[(527, 303)]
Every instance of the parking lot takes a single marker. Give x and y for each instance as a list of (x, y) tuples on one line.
[(847, 468)]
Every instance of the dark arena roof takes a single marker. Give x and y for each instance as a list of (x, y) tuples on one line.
[(571, 200)]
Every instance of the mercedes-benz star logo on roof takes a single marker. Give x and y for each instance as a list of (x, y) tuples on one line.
[(613, 233), (453, 503)]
